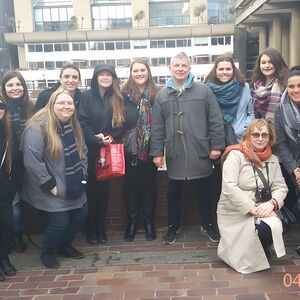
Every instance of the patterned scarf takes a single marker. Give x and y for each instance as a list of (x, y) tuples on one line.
[(143, 125), (291, 118), (73, 167), (266, 98), (257, 158), (228, 96)]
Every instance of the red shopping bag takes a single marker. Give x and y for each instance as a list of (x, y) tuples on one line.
[(110, 162)]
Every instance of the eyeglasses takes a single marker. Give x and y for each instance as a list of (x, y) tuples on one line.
[(2, 106), (257, 135), (64, 103)]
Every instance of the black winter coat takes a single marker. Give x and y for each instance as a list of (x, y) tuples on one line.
[(45, 95)]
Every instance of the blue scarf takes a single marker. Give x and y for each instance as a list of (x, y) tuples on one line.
[(187, 84), (74, 171), (228, 96)]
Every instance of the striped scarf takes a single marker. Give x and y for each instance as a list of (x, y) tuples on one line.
[(266, 98), (73, 167)]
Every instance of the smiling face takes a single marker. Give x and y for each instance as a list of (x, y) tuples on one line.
[(259, 138), (64, 107), (14, 88), (224, 71), (180, 69), (104, 79), (70, 79), (293, 89), (267, 67), (139, 75)]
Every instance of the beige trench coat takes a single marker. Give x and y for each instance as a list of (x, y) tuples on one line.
[(240, 246)]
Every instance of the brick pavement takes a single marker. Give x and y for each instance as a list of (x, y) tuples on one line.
[(188, 269)]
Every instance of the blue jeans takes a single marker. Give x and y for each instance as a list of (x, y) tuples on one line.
[(62, 228), (17, 212)]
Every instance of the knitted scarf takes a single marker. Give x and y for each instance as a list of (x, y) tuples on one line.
[(187, 84), (143, 125), (257, 158), (73, 167), (228, 96), (266, 98), (291, 118)]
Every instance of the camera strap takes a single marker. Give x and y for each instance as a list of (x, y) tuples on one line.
[(261, 176)]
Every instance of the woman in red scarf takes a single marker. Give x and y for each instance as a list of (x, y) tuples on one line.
[(253, 189)]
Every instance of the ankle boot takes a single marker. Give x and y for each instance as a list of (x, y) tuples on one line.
[(18, 242), (131, 228), (6, 266), (150, 232), (148, 208), (102, 237)]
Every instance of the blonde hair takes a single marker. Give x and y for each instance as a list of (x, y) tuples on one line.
[(259, 123), (49, 123)]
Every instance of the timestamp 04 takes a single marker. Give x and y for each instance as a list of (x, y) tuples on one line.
[(291, 279)]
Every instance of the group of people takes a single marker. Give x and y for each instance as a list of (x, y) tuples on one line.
[(48, 154)]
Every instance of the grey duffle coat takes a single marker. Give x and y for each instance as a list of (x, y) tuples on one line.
[(189, 125), (40, 168)]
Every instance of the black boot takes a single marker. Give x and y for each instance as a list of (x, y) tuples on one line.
[(131, 228), (131, 200), (91, 237), (6, 266), (102, 237), (148, 205), (49, 260), (18, 242)]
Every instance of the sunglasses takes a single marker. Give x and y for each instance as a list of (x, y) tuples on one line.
[(2, 106), (256, 135)]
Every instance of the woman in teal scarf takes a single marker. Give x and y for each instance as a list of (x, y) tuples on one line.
[(236, 104)]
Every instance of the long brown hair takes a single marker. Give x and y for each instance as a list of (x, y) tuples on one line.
[(212, 77), (25, 110), (150, 84), (117, 102), (281, 68), (7, 135), (49, 123)]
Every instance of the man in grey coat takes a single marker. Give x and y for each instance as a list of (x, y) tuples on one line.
[(187, 123)]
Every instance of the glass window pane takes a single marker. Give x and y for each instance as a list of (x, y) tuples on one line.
[(63, 14), (54, 14), (120, 13), (119, 45), (109, 46), (57, 47), (48, 48), (39, 48), (214, 41), (103, 14), (46, 15), (49, 64), (227, 40), (65, 47), (126, 45), (38, 15), (96, 12), (170, 43), (58, 64), (70, 12), (31, 48)]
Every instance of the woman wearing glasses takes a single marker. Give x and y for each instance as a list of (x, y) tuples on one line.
[(6, 192), (253, 189), (287, 126), (55, 160)]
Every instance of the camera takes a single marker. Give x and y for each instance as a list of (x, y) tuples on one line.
[(263, 194)]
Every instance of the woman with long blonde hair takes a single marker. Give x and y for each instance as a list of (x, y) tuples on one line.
[(101, 116), (56, 174)]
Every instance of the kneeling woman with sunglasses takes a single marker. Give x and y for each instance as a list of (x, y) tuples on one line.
[(253, 189), (55, 160)]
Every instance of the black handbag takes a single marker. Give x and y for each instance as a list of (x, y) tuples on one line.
[(230, 138)]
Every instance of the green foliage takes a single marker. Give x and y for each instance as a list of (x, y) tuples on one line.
[(198, 12), (139, 16)]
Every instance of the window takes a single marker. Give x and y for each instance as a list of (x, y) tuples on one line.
[(56, 18), (170, 43), (49, 64), (61, 47), (201, 41), (111, 15), (109, 46), (59, 64), (122, 45), (201, 59), (227, 40), (35, 48), (35, 65), (78, 46), (123, 62), (183, 42), (48, 47), (96, 45), (163, 13), (140, 44)]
